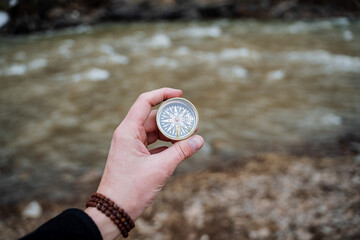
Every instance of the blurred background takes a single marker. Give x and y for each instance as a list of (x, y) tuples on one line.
[(276, 84)]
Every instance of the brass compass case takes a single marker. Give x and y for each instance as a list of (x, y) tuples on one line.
[(177, 118)]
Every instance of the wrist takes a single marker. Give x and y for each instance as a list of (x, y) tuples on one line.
[(129, 205), (107, 228)]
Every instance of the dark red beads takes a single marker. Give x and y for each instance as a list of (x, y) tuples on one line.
[(120, 218)]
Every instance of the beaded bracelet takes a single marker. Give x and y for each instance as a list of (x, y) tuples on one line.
[(121, 219)]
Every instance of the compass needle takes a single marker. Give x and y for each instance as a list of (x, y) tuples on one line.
[(188, 128)]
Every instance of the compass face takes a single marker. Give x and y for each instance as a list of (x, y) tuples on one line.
[(177, 118)]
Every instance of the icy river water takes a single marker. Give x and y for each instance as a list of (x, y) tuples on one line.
[(258, 87)]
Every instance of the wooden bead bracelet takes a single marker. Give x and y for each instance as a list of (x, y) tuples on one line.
[(121, 219)]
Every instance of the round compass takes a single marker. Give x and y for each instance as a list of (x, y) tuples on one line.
[(177, 119)]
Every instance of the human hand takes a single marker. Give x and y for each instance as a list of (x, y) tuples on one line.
[(134, 175)]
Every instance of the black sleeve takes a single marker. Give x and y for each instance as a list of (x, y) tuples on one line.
[(71, 224)]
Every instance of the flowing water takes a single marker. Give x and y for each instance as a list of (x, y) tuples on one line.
[(257, 86)]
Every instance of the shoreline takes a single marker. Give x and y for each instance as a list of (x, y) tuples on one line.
[(27, 17), (253, 196)]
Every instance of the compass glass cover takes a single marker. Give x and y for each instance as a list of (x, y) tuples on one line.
[(177, 118)]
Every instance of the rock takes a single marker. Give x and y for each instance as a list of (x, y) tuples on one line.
[(13, 3), (194, 213), (144, 227), (32, 210), (262, 233), (331, 119), (357, 159), (4, 18), (303, 235), (204, 237)]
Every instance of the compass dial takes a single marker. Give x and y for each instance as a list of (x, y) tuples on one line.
[(177, 118)]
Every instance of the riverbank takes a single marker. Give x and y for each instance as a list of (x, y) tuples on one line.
[(267, 196), (279, 109), (28, 16)]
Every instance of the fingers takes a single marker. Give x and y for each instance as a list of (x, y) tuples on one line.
[(158, 150), (154, 136), (140, 110), (179, 151), (150, 123)]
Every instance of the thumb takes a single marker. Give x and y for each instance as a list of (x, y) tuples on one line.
[(179, 151)]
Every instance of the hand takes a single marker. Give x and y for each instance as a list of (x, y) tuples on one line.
[(134, 175)]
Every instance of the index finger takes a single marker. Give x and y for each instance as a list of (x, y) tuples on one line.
[(141, 109)]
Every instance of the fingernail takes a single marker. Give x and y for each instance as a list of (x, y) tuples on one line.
[(196, 142)]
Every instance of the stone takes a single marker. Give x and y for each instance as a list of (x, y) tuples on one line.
[(194, 213), (32, 210)]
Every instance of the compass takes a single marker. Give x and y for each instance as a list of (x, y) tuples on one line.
[(177, 118)]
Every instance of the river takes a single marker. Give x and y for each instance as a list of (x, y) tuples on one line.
[(258, 87)]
